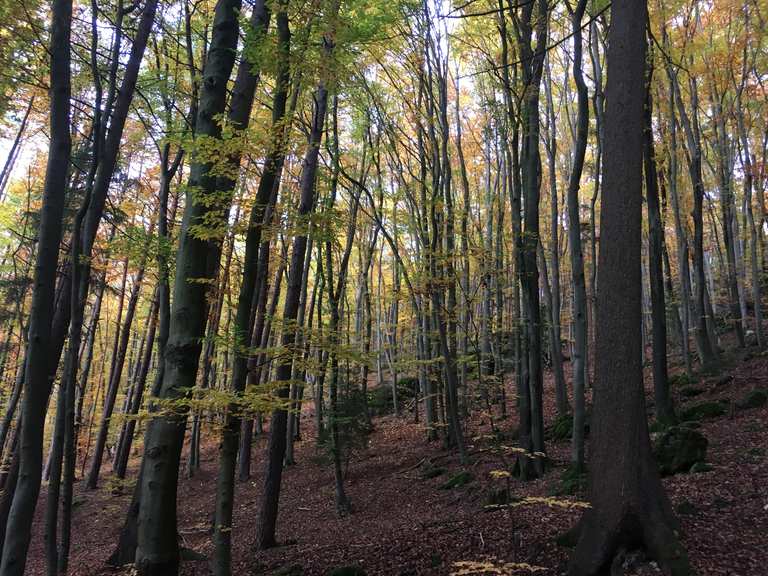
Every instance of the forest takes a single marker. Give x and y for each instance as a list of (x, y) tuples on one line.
[(368, 287)]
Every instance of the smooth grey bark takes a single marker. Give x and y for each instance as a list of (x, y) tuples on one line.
[(117, 372), (118, 103), (708, 354), (598, 104), (728, 208), (225, 485), (157, 551), (754, 229), (664, 410), (259, 368), (10, 409), (335, 292), (466, 307), (440, 250), (123, 450), (578, 361), (486, 262), (684, 274), (300, 368), (267, 522), (511, 146), (209, 365), (13, 153), (554, 305), (532, 54)]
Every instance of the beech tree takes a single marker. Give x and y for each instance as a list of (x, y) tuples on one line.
[(630, 507), (157, 549), (41, 337)]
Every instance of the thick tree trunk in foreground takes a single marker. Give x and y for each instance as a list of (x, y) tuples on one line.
[(629, 506), (157, 552), (41, 338)]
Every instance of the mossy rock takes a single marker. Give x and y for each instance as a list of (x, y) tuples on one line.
[(700, 467), (289, 570), (756, 398), (703, 411), (681, 379), (685, 508), (724, 380), (691, 391), (347, 571), (457, 480), (692, 424), (430, 471), (678, 448)]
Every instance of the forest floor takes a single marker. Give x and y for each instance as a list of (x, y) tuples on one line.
[(403, 523)]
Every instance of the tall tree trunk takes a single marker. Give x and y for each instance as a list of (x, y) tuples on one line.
[(754, 229), (41, 337), (123, 451), (532, 439), (276, 452), (629, 504), (598, 103), (14, 151), (125, 551), (466, 308), (116, 374), (664, 411), (684, 272), (708, 355), (561, 394), (727, 207), (335, 293), (105, 161), (157, 552), (574, 236), (260, 370), (225, 486)]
